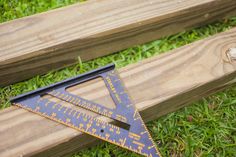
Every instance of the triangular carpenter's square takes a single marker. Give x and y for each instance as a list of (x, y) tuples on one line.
[(136, 138)]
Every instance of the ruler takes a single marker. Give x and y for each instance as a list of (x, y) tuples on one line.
[(135, 137)]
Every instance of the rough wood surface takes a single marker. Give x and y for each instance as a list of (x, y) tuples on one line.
[(158, 85), (55, 39)]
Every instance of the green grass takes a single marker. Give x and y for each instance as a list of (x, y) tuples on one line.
[(206, 128), (12, 9)]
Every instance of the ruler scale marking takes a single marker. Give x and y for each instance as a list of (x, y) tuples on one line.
[(136, 138)]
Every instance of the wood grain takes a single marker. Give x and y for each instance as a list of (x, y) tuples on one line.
[(55, 39), (158, 85)]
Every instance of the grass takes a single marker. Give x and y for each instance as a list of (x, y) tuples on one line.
[(206, 128)]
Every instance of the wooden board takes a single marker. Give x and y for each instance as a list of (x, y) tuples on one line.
[(158, 85), (55, 39)]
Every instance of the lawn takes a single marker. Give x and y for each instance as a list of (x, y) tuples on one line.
[(205, 128)]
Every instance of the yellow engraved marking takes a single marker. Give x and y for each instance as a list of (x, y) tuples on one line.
[(122, 141), (88, 126), (133, 137), (94, 130), (137, 118), (113, 88), (107, 136), (66, 110), (67, 120), (81, 125), (150, 147), (143, 132), (85, 119), (72, 100), (70, 111), (61, 96), (78, 115), (138, 143), (54, 114), (121, 118), (81, 129), (130, 148), (118, 98), (118, 132), (140, 149), (77, 101), (133, 134), (60, 108), (53, 105), (66, 98), (135, 113), (74, 113)]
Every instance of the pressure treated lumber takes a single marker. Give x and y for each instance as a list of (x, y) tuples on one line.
[(55, 39), (158, 86)]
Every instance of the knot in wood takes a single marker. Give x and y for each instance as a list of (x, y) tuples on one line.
[(231, 54)]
